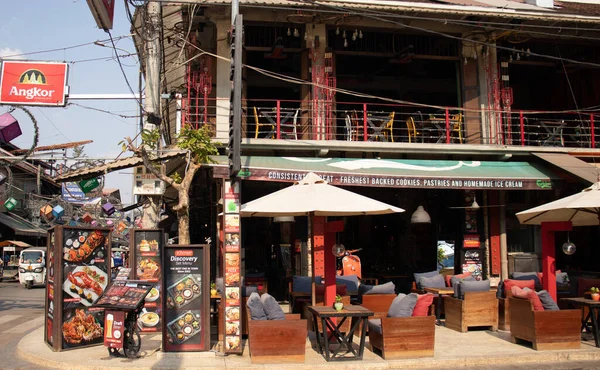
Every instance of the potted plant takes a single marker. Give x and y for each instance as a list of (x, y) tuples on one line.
[(595, 293), (338, 305), (213, 289)]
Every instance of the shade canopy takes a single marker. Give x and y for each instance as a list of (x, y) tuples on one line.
[(582, 209), (313, 195)]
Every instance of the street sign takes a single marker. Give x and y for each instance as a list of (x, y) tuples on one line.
[(34, 83)]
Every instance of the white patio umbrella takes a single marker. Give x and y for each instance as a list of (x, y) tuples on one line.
[(582, 209), (314, 196)]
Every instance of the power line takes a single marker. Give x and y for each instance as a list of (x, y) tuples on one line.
[(52, 123), (60, 49), (104, 111), (122, 70)]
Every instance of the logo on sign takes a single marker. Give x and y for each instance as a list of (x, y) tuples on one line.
[(33, 83), (184, 253)]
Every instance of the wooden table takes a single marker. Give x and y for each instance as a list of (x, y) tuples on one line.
[(593, 316), (331, 330), (441, 292)]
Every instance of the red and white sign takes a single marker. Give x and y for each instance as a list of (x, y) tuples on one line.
[(114, 328), (103, 12), (33, 83)]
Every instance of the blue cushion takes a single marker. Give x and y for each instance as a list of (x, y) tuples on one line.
[(257, 311), (351, 283), (387, 288), (471, 286), (454, 279), (419, 275), (375, 326), (303, 284), (403, 305), (562, 278), (547, 301), (272, 309), (432, 282), (526, 276)]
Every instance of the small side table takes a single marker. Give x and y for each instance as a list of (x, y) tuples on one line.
[(441, 292)]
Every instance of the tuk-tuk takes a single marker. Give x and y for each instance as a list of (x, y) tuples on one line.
[(32, 267)]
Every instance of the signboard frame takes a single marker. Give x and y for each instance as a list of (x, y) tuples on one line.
[(61, 94), (202, 250), (134, 253), (55, 244)]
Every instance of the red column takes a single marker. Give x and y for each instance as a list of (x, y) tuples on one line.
[(331, 228), (494, 225), (548, 253)]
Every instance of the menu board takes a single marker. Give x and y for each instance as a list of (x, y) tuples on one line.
[(186, 298), (125, 295), (84, 277), (49, 333), (231, 263), (472, 262), (147, 245)]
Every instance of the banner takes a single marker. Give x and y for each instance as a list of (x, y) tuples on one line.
[(34, 83)]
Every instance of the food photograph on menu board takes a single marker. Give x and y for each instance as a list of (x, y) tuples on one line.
[(82, 326), (232, 223), (148, 268), (185, 297), (232, 242)]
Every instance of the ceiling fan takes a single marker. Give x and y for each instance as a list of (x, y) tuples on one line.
[(476, 206)]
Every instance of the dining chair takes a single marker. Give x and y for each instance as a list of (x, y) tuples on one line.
[(412, 129), (456, 126), (293, 134), (388, 128), (258, 125)]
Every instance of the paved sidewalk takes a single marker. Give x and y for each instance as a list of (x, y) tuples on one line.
[(452, 350)]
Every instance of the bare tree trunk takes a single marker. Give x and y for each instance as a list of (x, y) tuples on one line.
[(183, 207)]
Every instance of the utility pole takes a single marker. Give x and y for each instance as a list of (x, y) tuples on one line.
[(152, 49)]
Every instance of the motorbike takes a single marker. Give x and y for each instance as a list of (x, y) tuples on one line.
[(349, 264)]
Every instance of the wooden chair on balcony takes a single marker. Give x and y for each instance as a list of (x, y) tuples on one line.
[(456, 123), (388, 128), (412, 130), (258, 125)]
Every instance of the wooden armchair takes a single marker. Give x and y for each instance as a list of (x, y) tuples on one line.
[(546, 330), (277, 341), (403, 337), (388, 129), (258, 125), (476, 309)]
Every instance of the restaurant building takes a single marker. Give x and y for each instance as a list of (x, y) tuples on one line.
[(474, 110)]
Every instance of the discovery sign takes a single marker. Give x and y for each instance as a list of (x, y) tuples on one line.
[(33, 83)]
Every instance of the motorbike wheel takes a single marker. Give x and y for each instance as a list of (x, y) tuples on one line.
[(29, 284), (133, 344)]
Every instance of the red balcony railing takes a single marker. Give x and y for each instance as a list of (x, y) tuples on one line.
[(353, 121)]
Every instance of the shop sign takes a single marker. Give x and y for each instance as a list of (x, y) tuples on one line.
[(185, 297), (114, 328), (33, 83), (103, 12)]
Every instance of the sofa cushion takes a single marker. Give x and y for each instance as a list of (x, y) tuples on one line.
[(257, 311), (272, 308), (303, 284), (562, 278), (448, 278), (471, 286), (350, 281), (509, 283), (387, 288), (419, 275), (526, 276), (547, 301), (423, 303), (456, 279), (528, 294), (403, 305), (432, 282), (375, 326), (339, 290)]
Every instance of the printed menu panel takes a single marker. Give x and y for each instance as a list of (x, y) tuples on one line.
[(85, 276), (126, 295), (114, 324), (49, 334), (185, 298), (231, 264), (148, 244), (473, 262)]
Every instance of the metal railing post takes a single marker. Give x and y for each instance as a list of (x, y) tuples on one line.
[(278, 119), (592, 131), (522, 125), (365, 133), (447, 126)]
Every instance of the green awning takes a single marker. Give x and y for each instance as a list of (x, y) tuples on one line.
[(21, 226), (395, 173)]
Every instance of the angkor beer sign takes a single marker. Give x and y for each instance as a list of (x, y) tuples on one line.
[(33, 83)]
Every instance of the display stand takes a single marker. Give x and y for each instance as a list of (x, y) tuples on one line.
[(123, 302), (77, 272)]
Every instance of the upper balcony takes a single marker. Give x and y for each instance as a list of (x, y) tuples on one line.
[(354, 122)]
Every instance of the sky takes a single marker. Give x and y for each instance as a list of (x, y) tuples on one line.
[(28, 26)]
